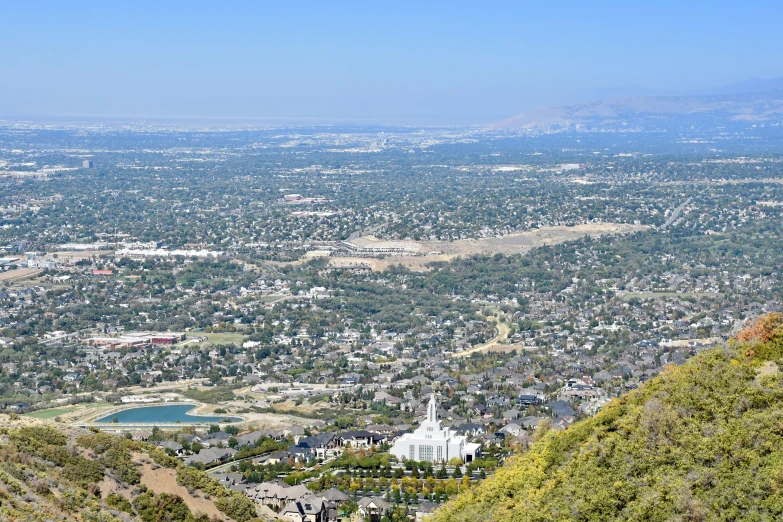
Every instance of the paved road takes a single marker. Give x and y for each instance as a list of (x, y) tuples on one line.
[(501, 334), (676, 213)]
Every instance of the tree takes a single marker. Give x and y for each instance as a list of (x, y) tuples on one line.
[(442, 472)]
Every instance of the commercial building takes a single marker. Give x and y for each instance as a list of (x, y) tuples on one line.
[(136, 339)]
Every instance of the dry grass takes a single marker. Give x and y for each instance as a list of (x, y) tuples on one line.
[(111, 485), (19, 274), (444, 251), (522, 242)]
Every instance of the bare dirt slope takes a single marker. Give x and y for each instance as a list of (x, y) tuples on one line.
[(164, 480)]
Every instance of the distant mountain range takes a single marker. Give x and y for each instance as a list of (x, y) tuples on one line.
[(718, 107)]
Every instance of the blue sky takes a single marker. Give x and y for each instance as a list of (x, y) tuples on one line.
[(395, 62)]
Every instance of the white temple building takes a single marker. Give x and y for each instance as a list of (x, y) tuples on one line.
[(432, 443)]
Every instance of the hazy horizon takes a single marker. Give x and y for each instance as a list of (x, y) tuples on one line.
[(439, 63)]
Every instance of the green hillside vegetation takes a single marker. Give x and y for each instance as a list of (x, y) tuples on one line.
[(210, 395), (701, 442), (50, 473)]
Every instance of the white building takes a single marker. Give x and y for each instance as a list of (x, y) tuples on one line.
[(432, 443)]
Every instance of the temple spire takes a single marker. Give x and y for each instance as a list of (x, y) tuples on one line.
[(432, 409)]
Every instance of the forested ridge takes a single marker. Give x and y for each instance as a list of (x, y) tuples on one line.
[(703, 441)]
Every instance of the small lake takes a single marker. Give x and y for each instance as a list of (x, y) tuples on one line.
[(169, 414)]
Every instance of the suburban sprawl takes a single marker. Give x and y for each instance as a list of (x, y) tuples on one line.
[(367, 320)]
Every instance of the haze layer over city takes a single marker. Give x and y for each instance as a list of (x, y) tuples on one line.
[(351, 262)]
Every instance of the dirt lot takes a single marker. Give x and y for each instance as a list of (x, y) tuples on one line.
[(524, 241), (19, 274), (518, 243), (272, 420), (520, 348)]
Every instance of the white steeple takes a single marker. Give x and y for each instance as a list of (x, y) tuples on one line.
[(432, 409)]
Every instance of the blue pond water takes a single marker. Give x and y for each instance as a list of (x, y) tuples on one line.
[(163, 415)]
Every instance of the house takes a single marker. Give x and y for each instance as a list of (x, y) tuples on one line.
[(511, 414), (210, 455), (295, 431), (373, 508), (306, 509), (216, 439), (300, 453), (230, 479), (512, 429), (143, 435), (470, 429), (360, 438), (531, 422), (248, 439), (561, 409), (175, 447), (71, 377), (424, 510), (528, 399), (273, 458), (388, 399), (333, 496), (277, 493), (381, 429), (323, 446)]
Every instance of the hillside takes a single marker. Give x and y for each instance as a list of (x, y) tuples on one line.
[(703, 441), (654, 112), (50, 473)]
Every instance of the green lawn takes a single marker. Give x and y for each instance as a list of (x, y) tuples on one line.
[(223, 338), (50, 413)]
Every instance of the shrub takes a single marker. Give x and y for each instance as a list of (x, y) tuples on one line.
[(160, 457), (114, 454), (212, 396), (163, 507), (237, 506), (119, 503), (41, 434), (763, 339), (233, 504)]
